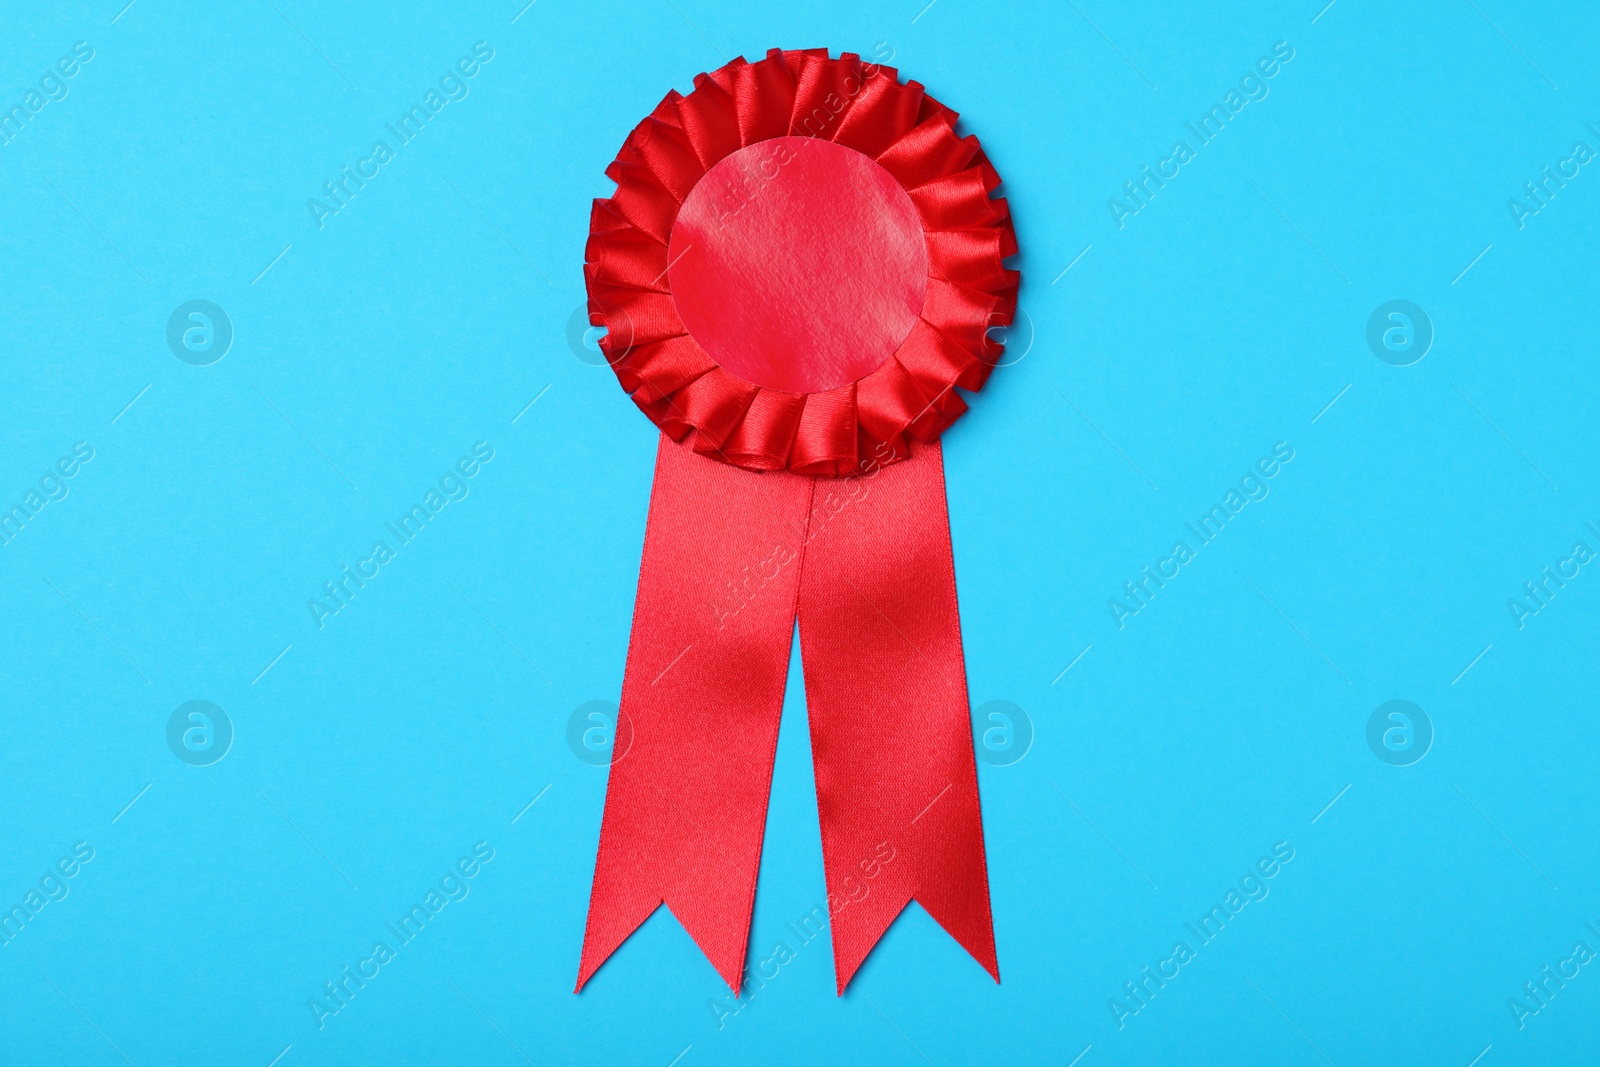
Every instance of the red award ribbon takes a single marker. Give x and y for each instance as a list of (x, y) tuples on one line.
[(801, 263)]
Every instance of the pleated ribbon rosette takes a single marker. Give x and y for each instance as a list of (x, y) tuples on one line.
[(801, 263)]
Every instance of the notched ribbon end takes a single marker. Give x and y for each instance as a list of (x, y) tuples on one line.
[(598, 947)]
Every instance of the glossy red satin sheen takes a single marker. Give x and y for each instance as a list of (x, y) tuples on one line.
[(866, 564), (791, 328), (891, 729), (737, 419), (686, 806), (798, 264)]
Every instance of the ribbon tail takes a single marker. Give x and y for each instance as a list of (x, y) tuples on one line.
[(686, 804), (886, 694)]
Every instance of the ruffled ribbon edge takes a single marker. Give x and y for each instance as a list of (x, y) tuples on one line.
[(854, 428)]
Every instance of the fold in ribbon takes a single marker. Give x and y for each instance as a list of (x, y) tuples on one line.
[(866, 564)]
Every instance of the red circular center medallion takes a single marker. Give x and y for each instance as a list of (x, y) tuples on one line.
[(798, 264)]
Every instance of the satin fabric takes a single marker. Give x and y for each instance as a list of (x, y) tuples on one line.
[(967, 232), (865, 563), (846, 530)]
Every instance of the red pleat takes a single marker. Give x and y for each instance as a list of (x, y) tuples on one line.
[(667, 415), (633, 315), (629, 258), (878, 114), (663, 149), (821, 95), (961, 313), (887, 401), (972, 257), (825, 442), (716, 407), (932, 359), (762, 439), (763, 98), (602, 218), (942, 410), (710, 120), (932, 109), (929, 151), (796, 59), (674, 364), (958, 201), (643, 201)]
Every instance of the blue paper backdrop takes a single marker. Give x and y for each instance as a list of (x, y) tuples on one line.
[(1167, 346)]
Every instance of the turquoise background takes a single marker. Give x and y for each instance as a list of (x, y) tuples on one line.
[(1229, 714)]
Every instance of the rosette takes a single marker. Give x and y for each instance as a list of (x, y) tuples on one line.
[(847, 337), (801, 264)]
